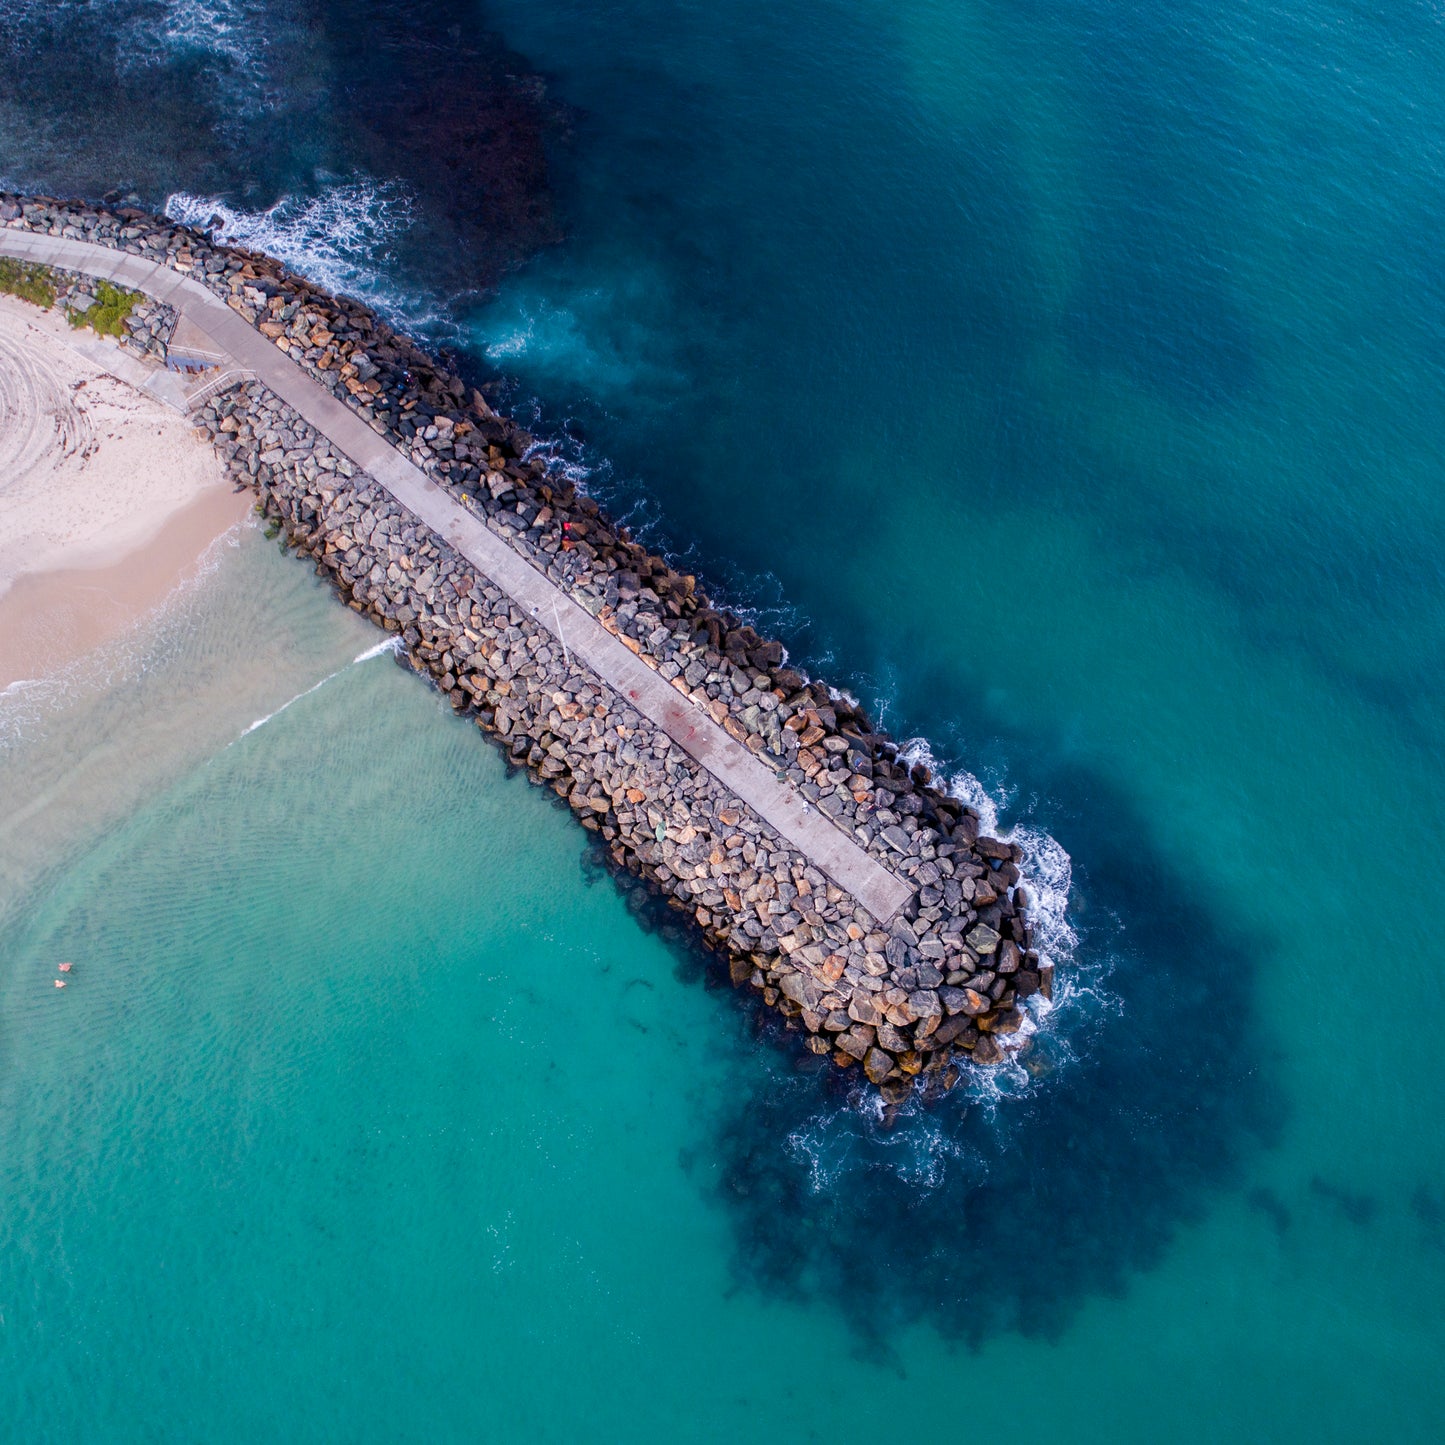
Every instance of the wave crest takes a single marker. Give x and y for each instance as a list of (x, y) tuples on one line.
[(341, 238)]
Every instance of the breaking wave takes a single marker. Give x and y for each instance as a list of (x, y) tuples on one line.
[(1080, 987), (391, 645), (341, 238)]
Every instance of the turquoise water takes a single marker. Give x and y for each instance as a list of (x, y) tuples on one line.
[(1065, 380)]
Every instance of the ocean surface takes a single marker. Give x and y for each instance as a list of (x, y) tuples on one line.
[(1064, 379)]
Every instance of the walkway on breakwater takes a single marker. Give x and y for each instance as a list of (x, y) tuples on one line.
[(774, 799)]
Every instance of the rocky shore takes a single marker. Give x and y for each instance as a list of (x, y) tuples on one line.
[(908, 999)]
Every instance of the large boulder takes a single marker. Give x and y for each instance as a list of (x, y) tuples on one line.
[(877, 1065), (983, 939), (803, 991), (959, 1030), (987, 1051), (891, 1038), (924, 1002), (861, 1009)]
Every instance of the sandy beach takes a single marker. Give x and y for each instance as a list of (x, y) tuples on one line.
[(108, 500)]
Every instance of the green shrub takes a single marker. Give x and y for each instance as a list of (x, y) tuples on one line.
[(106, 317), (29, 282)]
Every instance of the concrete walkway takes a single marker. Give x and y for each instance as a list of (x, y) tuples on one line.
[(806, 827)]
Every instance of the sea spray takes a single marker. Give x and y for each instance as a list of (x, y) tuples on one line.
[(612, 343)]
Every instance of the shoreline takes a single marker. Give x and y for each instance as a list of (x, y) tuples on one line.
[(846, 891), (51, 619), (108, 499)]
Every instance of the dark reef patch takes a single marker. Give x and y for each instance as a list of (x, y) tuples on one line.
[(121, 100), (1353, 1205), (981, 1219), (462, 119), (1429, 1208), (1266, 1202)]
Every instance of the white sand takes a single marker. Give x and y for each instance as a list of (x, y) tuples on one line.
[(90, 468), (107, 496)]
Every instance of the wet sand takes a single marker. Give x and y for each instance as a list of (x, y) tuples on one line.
[(50, 618)]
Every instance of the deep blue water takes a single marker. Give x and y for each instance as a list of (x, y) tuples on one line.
[(1066, 381)]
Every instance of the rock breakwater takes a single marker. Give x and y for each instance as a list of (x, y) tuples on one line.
[(945, 980)]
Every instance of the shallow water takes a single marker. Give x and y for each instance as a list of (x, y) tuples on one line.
[(1062, 379)]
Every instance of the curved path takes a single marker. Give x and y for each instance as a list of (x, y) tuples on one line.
[(774, 799)]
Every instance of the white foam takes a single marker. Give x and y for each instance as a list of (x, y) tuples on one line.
[(238, 35), (918, 1154), (1047, 868), (511, 341), (339, 238), (1047, 873), (391, 645), (27, 703)]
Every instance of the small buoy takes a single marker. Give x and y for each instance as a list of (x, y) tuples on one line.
[(60, 983), (65, 967)]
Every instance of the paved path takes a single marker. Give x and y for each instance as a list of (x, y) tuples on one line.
[(806, 827)]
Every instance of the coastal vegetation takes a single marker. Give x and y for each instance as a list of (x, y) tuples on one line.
[(107, 314), (29, 282)]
